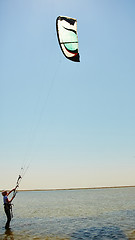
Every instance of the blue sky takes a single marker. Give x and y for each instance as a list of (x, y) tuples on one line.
[(71, 124)]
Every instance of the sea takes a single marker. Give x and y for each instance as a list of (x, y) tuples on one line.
[(96, 214)]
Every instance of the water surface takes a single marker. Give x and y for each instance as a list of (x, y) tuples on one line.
[(72, 214)]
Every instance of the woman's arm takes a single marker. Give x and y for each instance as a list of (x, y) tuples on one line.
[(11, 191), (11, 199)]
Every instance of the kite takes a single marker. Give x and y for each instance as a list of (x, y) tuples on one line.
[(67, 37)]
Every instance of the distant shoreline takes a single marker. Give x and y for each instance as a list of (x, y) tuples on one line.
[(70, 189)]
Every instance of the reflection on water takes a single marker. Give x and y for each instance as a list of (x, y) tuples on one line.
[(8, 235), (103, 233), (100, 233), (131, 235), (101, 214)]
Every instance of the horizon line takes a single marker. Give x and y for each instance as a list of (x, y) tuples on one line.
[(67, 189)]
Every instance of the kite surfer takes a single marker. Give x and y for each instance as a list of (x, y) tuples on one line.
[(8, 206)]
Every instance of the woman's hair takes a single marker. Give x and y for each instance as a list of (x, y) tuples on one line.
[(4, 193)]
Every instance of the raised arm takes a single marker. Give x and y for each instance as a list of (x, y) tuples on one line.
[(11, 199), (11, 191)]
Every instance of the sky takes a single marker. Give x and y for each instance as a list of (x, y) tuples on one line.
[(66, 124)]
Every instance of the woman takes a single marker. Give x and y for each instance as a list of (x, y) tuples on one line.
[(8, 206)]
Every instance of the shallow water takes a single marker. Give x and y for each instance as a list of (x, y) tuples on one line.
[(72, 214)]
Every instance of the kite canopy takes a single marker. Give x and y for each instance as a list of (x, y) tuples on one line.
[(67, 36)]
